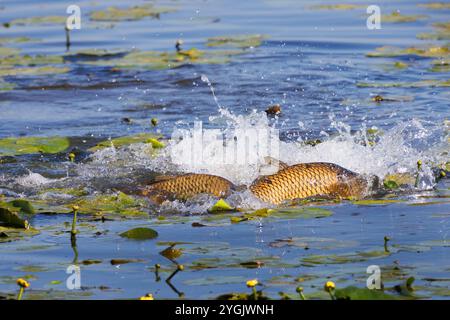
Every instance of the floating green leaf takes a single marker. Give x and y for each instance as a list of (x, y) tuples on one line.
[(140, 234), (427, 52), (241, 41), (27, 60), (6, 52), (301, 212), (435, 5), (129, 14), (221, 205), (39, 21), (355, 293), (119, 203), (11, 219), (375, 202), (125, 141), (397, 17), (32, 71), (416, 84), (337, 6), (29, 145)]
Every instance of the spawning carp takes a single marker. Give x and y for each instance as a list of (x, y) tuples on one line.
[(291, 182), (307, 180), (188, 185)]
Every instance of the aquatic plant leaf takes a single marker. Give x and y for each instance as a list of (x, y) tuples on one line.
[(221, 205), (6, 52), (301, 212), (355, 293), (342, 6), (97, 53), (129, 14), (375, 202), (8, 234), (140, 234), (171, 253), (116, 262), (242, 296), (428, 52), (155, 143), (29, 145), (9, 218), (397, 17), (239, 41), (416, 84), (400, 179), (32, 71), (39, 21), (435, 5), (344, 258), (27, 60), (124, 141), (15, 39), (24, 205), (119, 203)]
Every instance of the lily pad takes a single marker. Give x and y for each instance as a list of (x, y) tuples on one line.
[(140, 234), (124, 141), (221, 206), (129, 14), (14, 39), (397, 17), (355, 293), (427, 52), (342, 6), (32, 71), (344, 258), (416, 84), (11, 219), (442, 32), (302, 213), (30, 145), (381, 202), (241, 41), (39, 21), (157, 60), (6, 52), (435, 5), (119, 203), (8, 234), (27, 60)]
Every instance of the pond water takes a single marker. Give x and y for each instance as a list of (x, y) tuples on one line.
[(375, 111)]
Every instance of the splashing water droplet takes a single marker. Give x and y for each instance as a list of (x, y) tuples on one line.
[(205, 79)]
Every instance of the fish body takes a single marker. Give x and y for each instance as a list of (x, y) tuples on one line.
[(188, 185), (308, 180)]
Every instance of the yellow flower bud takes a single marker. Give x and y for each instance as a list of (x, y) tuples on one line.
[(148, 296), (329, 286), (75, 208), (252, 283), (22, 283)]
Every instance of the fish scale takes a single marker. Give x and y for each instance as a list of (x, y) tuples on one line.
[(307, 180), (292, 182), (187, 186)]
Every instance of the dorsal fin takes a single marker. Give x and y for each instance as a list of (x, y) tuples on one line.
[(272, 161)]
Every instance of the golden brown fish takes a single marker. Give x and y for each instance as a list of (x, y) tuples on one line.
[(307, 180), (188, 185), (291, 182)]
